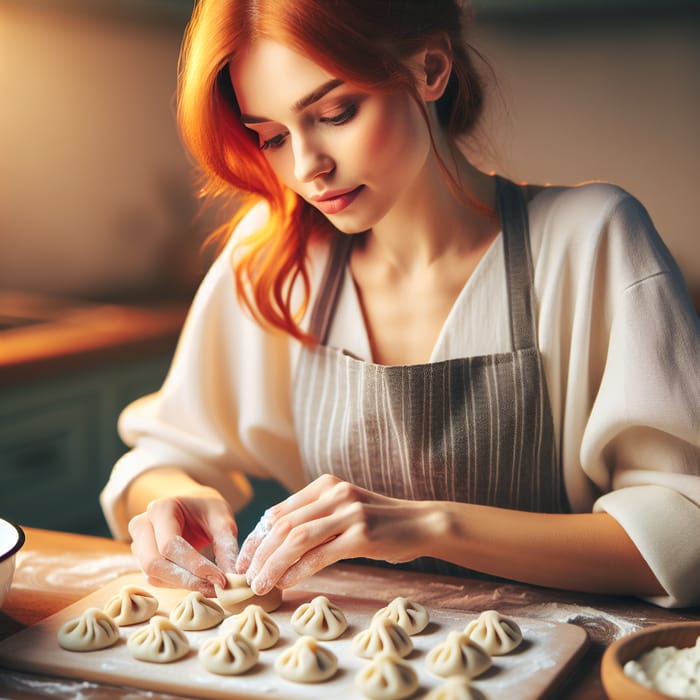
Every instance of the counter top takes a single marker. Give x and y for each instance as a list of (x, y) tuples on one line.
[(56, 569), (53, 337)]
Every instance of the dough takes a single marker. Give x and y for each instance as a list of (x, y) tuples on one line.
[(159, 642), (413, 617), (306, 661), (228, 655), (237, 595), (320, 619), (195, 612), (93, 629), (256, 626), (381, 636), (455, 688), (386, 677), (131, 605), (457, 655), (494, 633)]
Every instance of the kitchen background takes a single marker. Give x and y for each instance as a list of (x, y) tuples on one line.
[(99, 229)]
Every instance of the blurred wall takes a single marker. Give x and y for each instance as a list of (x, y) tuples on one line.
[(95, 191)]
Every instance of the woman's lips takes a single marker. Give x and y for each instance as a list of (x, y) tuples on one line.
[(332, 203)]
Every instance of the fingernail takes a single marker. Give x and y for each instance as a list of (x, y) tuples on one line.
[(258, 586)]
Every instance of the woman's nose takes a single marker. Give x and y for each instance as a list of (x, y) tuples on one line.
[(310, 159)]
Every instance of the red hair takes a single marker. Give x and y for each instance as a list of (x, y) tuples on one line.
[(363, 42)]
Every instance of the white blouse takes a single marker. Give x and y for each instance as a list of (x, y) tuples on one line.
[(620, 343)]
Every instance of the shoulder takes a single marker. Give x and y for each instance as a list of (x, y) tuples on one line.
[(594, 224)]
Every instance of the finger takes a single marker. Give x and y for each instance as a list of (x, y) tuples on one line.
[(277, 535), (225, 543), (302, 540), (176, 549), (252, 541), (158, 570)]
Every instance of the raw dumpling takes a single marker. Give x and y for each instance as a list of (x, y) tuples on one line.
[(457, 655), (387, 677), (382, 636), (131, 606), (195, 612), (256, 626), (320, 619), (159, 642), (228, 655), (494, 633), (238, 594), (413, 617), (455, 688), (93, 629), (306, 661)]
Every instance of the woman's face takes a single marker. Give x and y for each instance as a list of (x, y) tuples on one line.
[(353, 155)]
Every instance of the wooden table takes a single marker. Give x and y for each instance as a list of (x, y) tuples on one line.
[(55, 569)]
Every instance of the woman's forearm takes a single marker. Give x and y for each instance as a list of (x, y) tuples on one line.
[(157, 483), (585, 552)]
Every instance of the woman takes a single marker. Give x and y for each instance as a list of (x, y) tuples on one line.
[(443, 367)]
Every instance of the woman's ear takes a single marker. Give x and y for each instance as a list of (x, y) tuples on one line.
[(435, 68)]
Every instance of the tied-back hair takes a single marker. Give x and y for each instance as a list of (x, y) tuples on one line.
[(364, 43)]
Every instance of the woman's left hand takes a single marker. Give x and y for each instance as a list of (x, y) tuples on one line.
[(326, 521)]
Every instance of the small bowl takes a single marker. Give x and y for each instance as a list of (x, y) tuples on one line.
[(620, 686), (11, 541)]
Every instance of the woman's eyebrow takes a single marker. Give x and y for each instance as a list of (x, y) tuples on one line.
[(303, 103)]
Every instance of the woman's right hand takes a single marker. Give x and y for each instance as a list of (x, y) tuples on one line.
[(169, 536)]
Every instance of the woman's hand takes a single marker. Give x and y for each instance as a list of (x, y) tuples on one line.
[(326, 521), (167, 538)]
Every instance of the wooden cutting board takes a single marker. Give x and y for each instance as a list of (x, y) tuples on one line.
[(531, 672)]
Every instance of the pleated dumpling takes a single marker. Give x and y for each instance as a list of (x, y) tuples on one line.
[(228, 655), (386, 677), (93, 629), (458, 655), (320, 619), (455, 688), (196, 612), (494, 633), (412, 616), (256, 625), (382, 636), (306, 661), (238, 594), (131, 605), (159, 642)]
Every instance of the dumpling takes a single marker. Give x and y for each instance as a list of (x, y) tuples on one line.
[(159, 642), (382, 636), (228, 655), (494, 633), (256, 626), (455, 688), (306, 661), (131, 605), (195, 612), (413, 617), (386, 677), (93, 629), (457, 655), (320, 619), (238, 594)]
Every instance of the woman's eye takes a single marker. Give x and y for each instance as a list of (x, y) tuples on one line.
[(345, 116), (274, 142)]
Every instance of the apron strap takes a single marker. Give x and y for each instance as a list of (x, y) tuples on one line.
[(512, 208), (331, 283)]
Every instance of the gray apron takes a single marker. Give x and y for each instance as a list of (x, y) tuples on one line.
[(474, 429)]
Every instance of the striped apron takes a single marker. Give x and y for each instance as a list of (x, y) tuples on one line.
[(474, 429)]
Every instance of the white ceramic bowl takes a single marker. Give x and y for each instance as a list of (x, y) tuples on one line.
[(11, 541)]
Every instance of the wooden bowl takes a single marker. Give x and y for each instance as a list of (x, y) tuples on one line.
[(617, 684)]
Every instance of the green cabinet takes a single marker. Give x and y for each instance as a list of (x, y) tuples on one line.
[(58, 442)]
